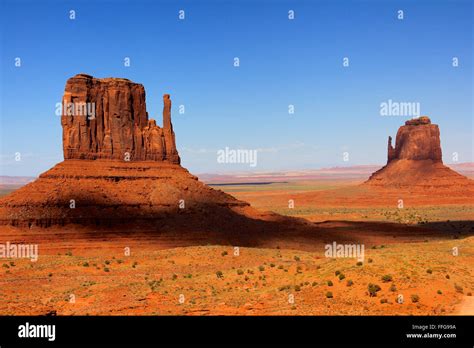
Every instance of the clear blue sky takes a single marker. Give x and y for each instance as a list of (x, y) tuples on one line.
[(282, 62)]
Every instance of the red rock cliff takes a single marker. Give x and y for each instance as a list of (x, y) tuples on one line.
[(107, 119), (418, 139)]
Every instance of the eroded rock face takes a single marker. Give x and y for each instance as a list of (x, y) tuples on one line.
[(107, 119), (416, 161), (418, 139)]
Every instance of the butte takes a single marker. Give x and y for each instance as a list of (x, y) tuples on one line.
[(416, 161)]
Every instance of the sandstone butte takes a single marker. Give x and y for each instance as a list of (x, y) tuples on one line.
[(121, 168), (416, 160)]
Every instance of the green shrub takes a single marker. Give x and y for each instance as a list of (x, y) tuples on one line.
[(330, 283), (219, 274), (341, 276), (439, 292), (329, 294), (387, 278), (373, 289), (240, 272)]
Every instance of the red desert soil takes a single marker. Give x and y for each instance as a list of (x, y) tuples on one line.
[(144, 236)]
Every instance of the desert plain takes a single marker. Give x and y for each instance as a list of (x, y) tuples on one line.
[(132, 271)]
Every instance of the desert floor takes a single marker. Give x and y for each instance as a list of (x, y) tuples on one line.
[(408, 252)]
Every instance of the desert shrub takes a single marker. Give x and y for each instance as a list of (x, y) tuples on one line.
[(219, 274), (107, 262), (280, 267), (429, 271), (106, 269), (447, 276), (415, 298), (240, 272), (284, 287), (439, 292), (338, 272), (341, 276), (68, 253), (350, 283), (297, 288), (297, 258), (119, 261), (298, 269), (383, 300), (370, 260), (86, 264), (373, 289), (174, 277), (458, 288), (359, 263), (272, 265), (261, 268), (387, 278), (224, 253), (329, 294), (314, 283), (393, 288), (469, 293), (330, 283)]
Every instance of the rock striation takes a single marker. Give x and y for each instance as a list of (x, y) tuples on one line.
[(107, 119), (416, 159)]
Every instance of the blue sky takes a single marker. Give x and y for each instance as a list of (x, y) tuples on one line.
[(282, 62)]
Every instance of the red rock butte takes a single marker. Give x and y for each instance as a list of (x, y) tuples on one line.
[(120, 127), (416, 159), (119, 167)]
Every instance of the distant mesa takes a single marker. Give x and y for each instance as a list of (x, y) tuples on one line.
[(416, 159)]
